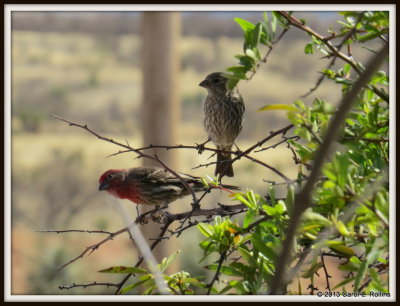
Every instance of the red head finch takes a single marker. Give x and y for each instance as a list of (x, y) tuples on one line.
[(149, 185), (223, 116)]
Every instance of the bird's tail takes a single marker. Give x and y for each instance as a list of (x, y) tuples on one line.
[(224, 166)]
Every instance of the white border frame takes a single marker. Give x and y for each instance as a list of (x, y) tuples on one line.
[(8, 9)]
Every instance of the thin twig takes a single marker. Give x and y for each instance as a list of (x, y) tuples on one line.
[(327, 276), (139, 153), (76, 231), (282, 131), (216, 276), (334, 50), (87, 285), (286, 139), (271, 47), (94, 247), (269, 167)]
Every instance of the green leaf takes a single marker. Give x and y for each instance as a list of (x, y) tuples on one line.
[(238, 71), (312, 217), (262, 247), (316, 40), (265, 16), (269, 210), (240, 286), (309, 49), (342, 228), (251, 196), (250, 53), (352, 265), (256, 35), (342, 250), (231, 83), (271, 193), (227, 270), (286, 107), (360, 275), (249, 217), (244, 24), (246, 61), (225, 289), (124, 270), (290, 199), (370, 36), (167, 261), (344, 81), (280, 207), (247, 256), (240, 197), (149, 290), (240, 266), (344, 282), (346, 68), (281, 20), (205, 229), (274, 21), (133, 286)]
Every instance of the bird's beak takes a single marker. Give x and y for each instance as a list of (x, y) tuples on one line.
[(204, 83), (104, 186)]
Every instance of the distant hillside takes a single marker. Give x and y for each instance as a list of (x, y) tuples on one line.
[(207, 24)]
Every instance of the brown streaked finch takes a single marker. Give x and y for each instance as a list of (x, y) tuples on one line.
[(223, 116)]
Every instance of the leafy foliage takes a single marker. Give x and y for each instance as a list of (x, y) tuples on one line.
[(350, 202), (178, 283), (262, 33)]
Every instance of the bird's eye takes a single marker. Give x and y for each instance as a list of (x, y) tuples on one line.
[(215, 80), (110, 176)]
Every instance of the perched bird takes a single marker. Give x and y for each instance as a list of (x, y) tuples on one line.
[(149, 185), (223, 116)]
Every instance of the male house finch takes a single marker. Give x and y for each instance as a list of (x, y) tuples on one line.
[(223, 116), (149, 185)]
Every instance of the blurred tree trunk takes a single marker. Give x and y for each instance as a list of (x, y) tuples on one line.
[(160, 104)]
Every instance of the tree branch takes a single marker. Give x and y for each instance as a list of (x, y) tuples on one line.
[(129, 148), (335, 51), (303, 198)]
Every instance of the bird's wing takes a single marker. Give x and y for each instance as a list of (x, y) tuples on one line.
[(236, 98), (159, 175)]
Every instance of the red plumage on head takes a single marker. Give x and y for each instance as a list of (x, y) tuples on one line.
[(107, 173), (118, 187)]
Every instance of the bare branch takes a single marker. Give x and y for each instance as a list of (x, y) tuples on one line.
[(94, 247), (335, 51), (282, 131), (327, 276), (87, 285), (140, 154), (271, 47), (216, 276), (76, 231)]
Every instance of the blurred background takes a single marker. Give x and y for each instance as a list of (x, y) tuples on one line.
[(88, 67)]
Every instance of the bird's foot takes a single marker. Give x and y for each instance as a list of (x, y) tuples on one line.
[(238, 151), (143, 218), (158, 214), (201, 146)]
